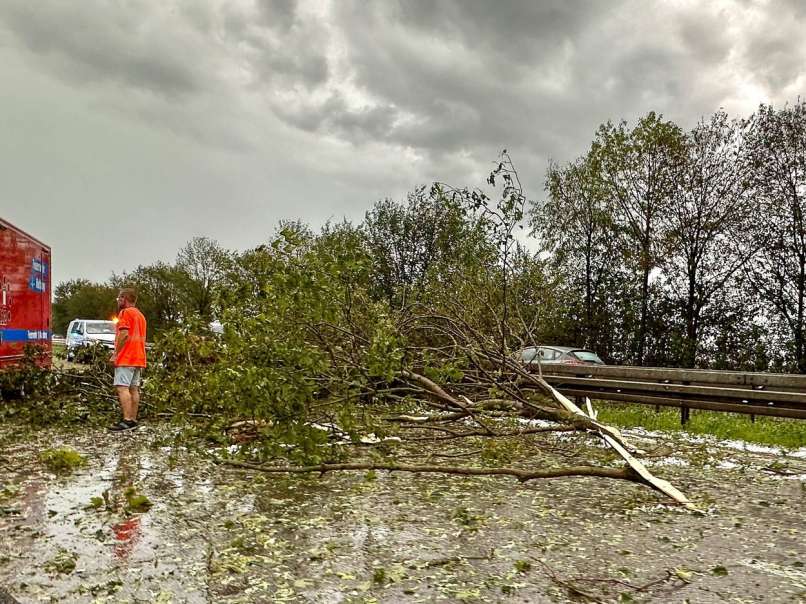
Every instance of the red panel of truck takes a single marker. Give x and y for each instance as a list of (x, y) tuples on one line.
[(25, 289)]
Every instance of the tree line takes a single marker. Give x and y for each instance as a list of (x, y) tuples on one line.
[(685, 248), (658, 246)]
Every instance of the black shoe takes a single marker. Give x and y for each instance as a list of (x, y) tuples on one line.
[(122, 425)]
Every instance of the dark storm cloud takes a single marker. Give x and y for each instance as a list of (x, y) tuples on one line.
[(704, 38), (367, 123), (774, 51), (507, 36), (280, 13), (775, 61), (467, 74), (171, 49), (439, 76), (81, 42), (358, 99), (275, 45)]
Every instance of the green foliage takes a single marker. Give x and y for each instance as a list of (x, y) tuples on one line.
[(92, 354), (201, 265), (409, 242), (9, 492), (62, 460), (384, 355), (63, 563), (39, 396), (29, 378), (467, 519), (658, 246), (300, 331), (379, 576), (495, 452), (776, 157), (161, 296), (136, 502)]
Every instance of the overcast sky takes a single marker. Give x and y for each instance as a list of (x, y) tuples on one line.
[(126, 128)]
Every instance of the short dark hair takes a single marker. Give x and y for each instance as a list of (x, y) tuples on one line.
[(129, 295)]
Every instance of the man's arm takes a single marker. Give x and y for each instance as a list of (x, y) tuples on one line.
[(123, 335)]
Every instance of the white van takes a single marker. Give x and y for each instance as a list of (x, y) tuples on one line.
[(83, 332)]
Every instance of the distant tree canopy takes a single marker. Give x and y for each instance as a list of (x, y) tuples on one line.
[(658, 246), (682, 248), (82, 299)]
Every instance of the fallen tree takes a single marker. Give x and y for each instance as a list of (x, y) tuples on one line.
[(315, 369), (458, 416)]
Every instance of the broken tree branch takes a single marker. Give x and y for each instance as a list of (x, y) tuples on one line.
[(518, 474)]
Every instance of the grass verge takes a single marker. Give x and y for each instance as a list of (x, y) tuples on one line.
[(787, 433)]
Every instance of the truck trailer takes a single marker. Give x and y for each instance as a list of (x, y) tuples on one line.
[(24, 296)]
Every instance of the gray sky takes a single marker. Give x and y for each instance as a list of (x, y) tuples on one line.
[(130, 127)]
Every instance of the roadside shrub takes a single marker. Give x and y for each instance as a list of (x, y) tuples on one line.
[(41, 396), (27, 379)]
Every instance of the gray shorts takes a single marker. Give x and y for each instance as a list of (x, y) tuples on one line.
[(127, 376)]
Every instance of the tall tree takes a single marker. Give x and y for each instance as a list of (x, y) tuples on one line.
[(576, 225), (638, 169), (406, 239), (204, 262), (776, 152), (707, 223)]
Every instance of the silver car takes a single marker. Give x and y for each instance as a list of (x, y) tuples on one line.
[(565, 355)]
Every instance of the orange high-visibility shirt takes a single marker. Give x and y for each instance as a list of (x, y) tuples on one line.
[(133, 353)]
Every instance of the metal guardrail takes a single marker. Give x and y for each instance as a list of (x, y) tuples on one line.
[(780, 395)]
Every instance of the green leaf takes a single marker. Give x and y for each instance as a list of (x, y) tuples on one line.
[(719, 571)]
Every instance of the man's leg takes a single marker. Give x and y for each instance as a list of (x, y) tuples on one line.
[(134, 394), (125, 398), (123, 384)]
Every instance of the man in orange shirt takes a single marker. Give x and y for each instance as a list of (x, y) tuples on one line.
[(129, 358)]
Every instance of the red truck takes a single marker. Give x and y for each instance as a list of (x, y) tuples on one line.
[(24, 295)]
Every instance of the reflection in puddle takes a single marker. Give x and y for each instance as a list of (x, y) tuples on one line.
[(120, 554), (127, 534)]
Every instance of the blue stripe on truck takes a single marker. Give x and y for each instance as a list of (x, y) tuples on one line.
[(23, 335)]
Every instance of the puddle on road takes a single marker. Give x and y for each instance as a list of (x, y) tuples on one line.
[(116, 554)]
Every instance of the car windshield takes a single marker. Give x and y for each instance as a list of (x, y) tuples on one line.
[(587, 355), (101, 327)]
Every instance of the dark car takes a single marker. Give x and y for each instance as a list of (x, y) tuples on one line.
[(565, 355)]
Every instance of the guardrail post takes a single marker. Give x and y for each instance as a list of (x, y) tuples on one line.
[(684, 415)]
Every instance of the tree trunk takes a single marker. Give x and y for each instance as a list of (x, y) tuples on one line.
[(799, 356), (691, 312), (644, 311), (588, 297)]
